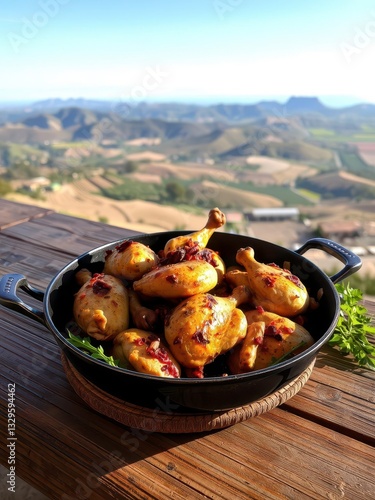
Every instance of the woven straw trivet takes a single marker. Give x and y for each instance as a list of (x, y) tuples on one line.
[(155, 420)]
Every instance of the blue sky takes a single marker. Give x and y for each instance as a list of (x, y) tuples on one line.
[(187, 50)]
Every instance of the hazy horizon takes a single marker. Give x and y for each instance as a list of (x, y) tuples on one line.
[(329, 101)]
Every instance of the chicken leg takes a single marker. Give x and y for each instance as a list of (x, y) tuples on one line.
[(276, 290), (216, 219), (204, 326)]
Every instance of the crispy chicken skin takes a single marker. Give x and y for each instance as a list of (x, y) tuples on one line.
[(101, 306), (282, 336), (179, 280), (146, 353), (204, 326), (216, 219), (275, 289), (243, 356), (130, 260), (237, 277)]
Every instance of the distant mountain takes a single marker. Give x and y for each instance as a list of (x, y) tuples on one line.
[(302, 105), (44, 121), (307, 109), (53, 105), (75, 116), (225, 130)]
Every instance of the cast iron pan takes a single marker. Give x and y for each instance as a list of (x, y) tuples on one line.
[(211, 393)]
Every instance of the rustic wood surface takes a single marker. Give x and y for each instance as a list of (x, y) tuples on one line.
[(319, 444)]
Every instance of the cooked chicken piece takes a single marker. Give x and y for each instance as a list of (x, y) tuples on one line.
[(216, 219), (143, 317), (243, 356), (101, 306), (83, 276), (130, 260), (215, 260), (189, 253), (236, 277), (275, 289), (179, 280), (146, 353), (282, 337), (204, 326)]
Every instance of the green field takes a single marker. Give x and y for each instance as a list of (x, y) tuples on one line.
[(71, 145), (367, 135), (287, 196), (353, 163)]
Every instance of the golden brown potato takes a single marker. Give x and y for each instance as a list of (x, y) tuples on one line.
[(178, 280), (146, 353), (204, 326), (130, 260), (243, 356), (275, 289), (216, 219), (282, 336), (101, 306)]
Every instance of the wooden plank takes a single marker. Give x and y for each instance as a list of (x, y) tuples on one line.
[(317, 445), (339, 395), (61, 232), (277, 455), (272, 456), (12, 213)]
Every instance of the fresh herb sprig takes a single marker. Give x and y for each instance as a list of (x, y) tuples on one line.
[(96, 352), (353, 329)]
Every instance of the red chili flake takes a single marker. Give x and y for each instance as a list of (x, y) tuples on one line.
[(200, 337), (272, 264), (82, 296), (273, 331), (171, 278), (108, 253), (208, 256), (124, 245), (260, 309), (294, 279), (161, 355), (258, 340), (211, 301), (171, 370), (100, 287), (190, 251), (139, 341), (95, 277), (269, 281), (173, 257)]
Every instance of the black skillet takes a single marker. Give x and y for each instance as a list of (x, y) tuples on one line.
[(213, 392)]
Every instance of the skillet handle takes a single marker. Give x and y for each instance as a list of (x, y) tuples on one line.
[(9, 285), (352, 262)]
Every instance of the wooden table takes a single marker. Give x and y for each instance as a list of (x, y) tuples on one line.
[(319, 444)]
